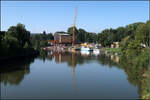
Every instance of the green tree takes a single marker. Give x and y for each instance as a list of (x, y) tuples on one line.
[(120, 33), (103, 38), (131, 28), (82, 35), (50, 36), (12, 42), (70, 31), (2, 34), (44, 32), (143, 33), (20, 33)]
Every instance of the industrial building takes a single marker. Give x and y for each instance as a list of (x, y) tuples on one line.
[(63, 38)]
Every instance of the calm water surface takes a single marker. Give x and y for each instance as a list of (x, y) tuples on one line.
[(66, 75)]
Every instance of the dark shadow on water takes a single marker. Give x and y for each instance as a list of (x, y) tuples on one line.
[(13, 71)]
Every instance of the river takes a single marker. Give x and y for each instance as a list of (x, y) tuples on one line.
[(78, 75)]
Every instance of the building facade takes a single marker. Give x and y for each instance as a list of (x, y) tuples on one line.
[(63, 38)]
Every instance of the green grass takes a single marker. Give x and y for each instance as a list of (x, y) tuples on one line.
[(112, 50)]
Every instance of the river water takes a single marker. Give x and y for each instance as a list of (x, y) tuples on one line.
[(79, 75)]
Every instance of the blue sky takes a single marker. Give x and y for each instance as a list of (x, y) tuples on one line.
[(52, 16)]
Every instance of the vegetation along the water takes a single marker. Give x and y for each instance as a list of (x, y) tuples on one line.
[(133, 39)]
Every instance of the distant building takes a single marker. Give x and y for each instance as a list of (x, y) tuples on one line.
[(115, 45), (143, 45), (63, 38), (112, 45)]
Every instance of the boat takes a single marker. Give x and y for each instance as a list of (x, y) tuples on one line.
[(86, 48), (96, 51), (85, 53)]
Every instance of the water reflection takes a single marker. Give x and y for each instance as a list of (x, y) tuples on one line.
[(71, 58), (78, 58), (137, 75), (13, 72)]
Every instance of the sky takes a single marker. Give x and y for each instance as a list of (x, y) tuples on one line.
[(52, 16)]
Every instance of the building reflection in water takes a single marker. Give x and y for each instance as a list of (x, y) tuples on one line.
[(60, 57), (114, 58), (72, 58), (137, 76)]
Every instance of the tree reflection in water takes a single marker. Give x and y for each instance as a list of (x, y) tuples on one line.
[(136, 75), (14, 71)]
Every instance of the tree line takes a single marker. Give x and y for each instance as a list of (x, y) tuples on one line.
[(17, 37), (41, 40), (106, 37), (15, 41)]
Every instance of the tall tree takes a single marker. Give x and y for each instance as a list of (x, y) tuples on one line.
[(143, 33), (2, 34), (44, 32), (82, 35), (20, 33), (70, 31)]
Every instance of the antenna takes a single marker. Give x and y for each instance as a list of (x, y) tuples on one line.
[(73, 36)]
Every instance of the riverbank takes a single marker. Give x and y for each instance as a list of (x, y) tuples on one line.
[(111, 50)]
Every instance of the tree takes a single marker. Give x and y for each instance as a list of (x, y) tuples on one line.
[(81, 35), (20, 33), (120, 33), (50, 36), (2, 34), (143, 33), (12, 42), (70, 31), (44, 32), (131, 28), (90, 37), (105, 37)]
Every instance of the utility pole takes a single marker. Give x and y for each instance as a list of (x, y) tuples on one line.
[(73, 36)]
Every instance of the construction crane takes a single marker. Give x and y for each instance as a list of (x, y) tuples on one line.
[(73, 36), (73, 42)]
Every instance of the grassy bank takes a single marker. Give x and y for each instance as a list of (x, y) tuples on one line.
[(112, 50)]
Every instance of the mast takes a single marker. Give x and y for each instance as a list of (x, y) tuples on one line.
[(73, 36)]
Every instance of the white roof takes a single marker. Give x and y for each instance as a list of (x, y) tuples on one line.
[(63, 34)]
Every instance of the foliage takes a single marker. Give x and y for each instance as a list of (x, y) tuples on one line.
[(40, 40), (11, 41), (112, 50), (20, 33), (82, 36), (108, 36), (15, 41), (137, 57), (143, 33), (2, 34), (70, 30)]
